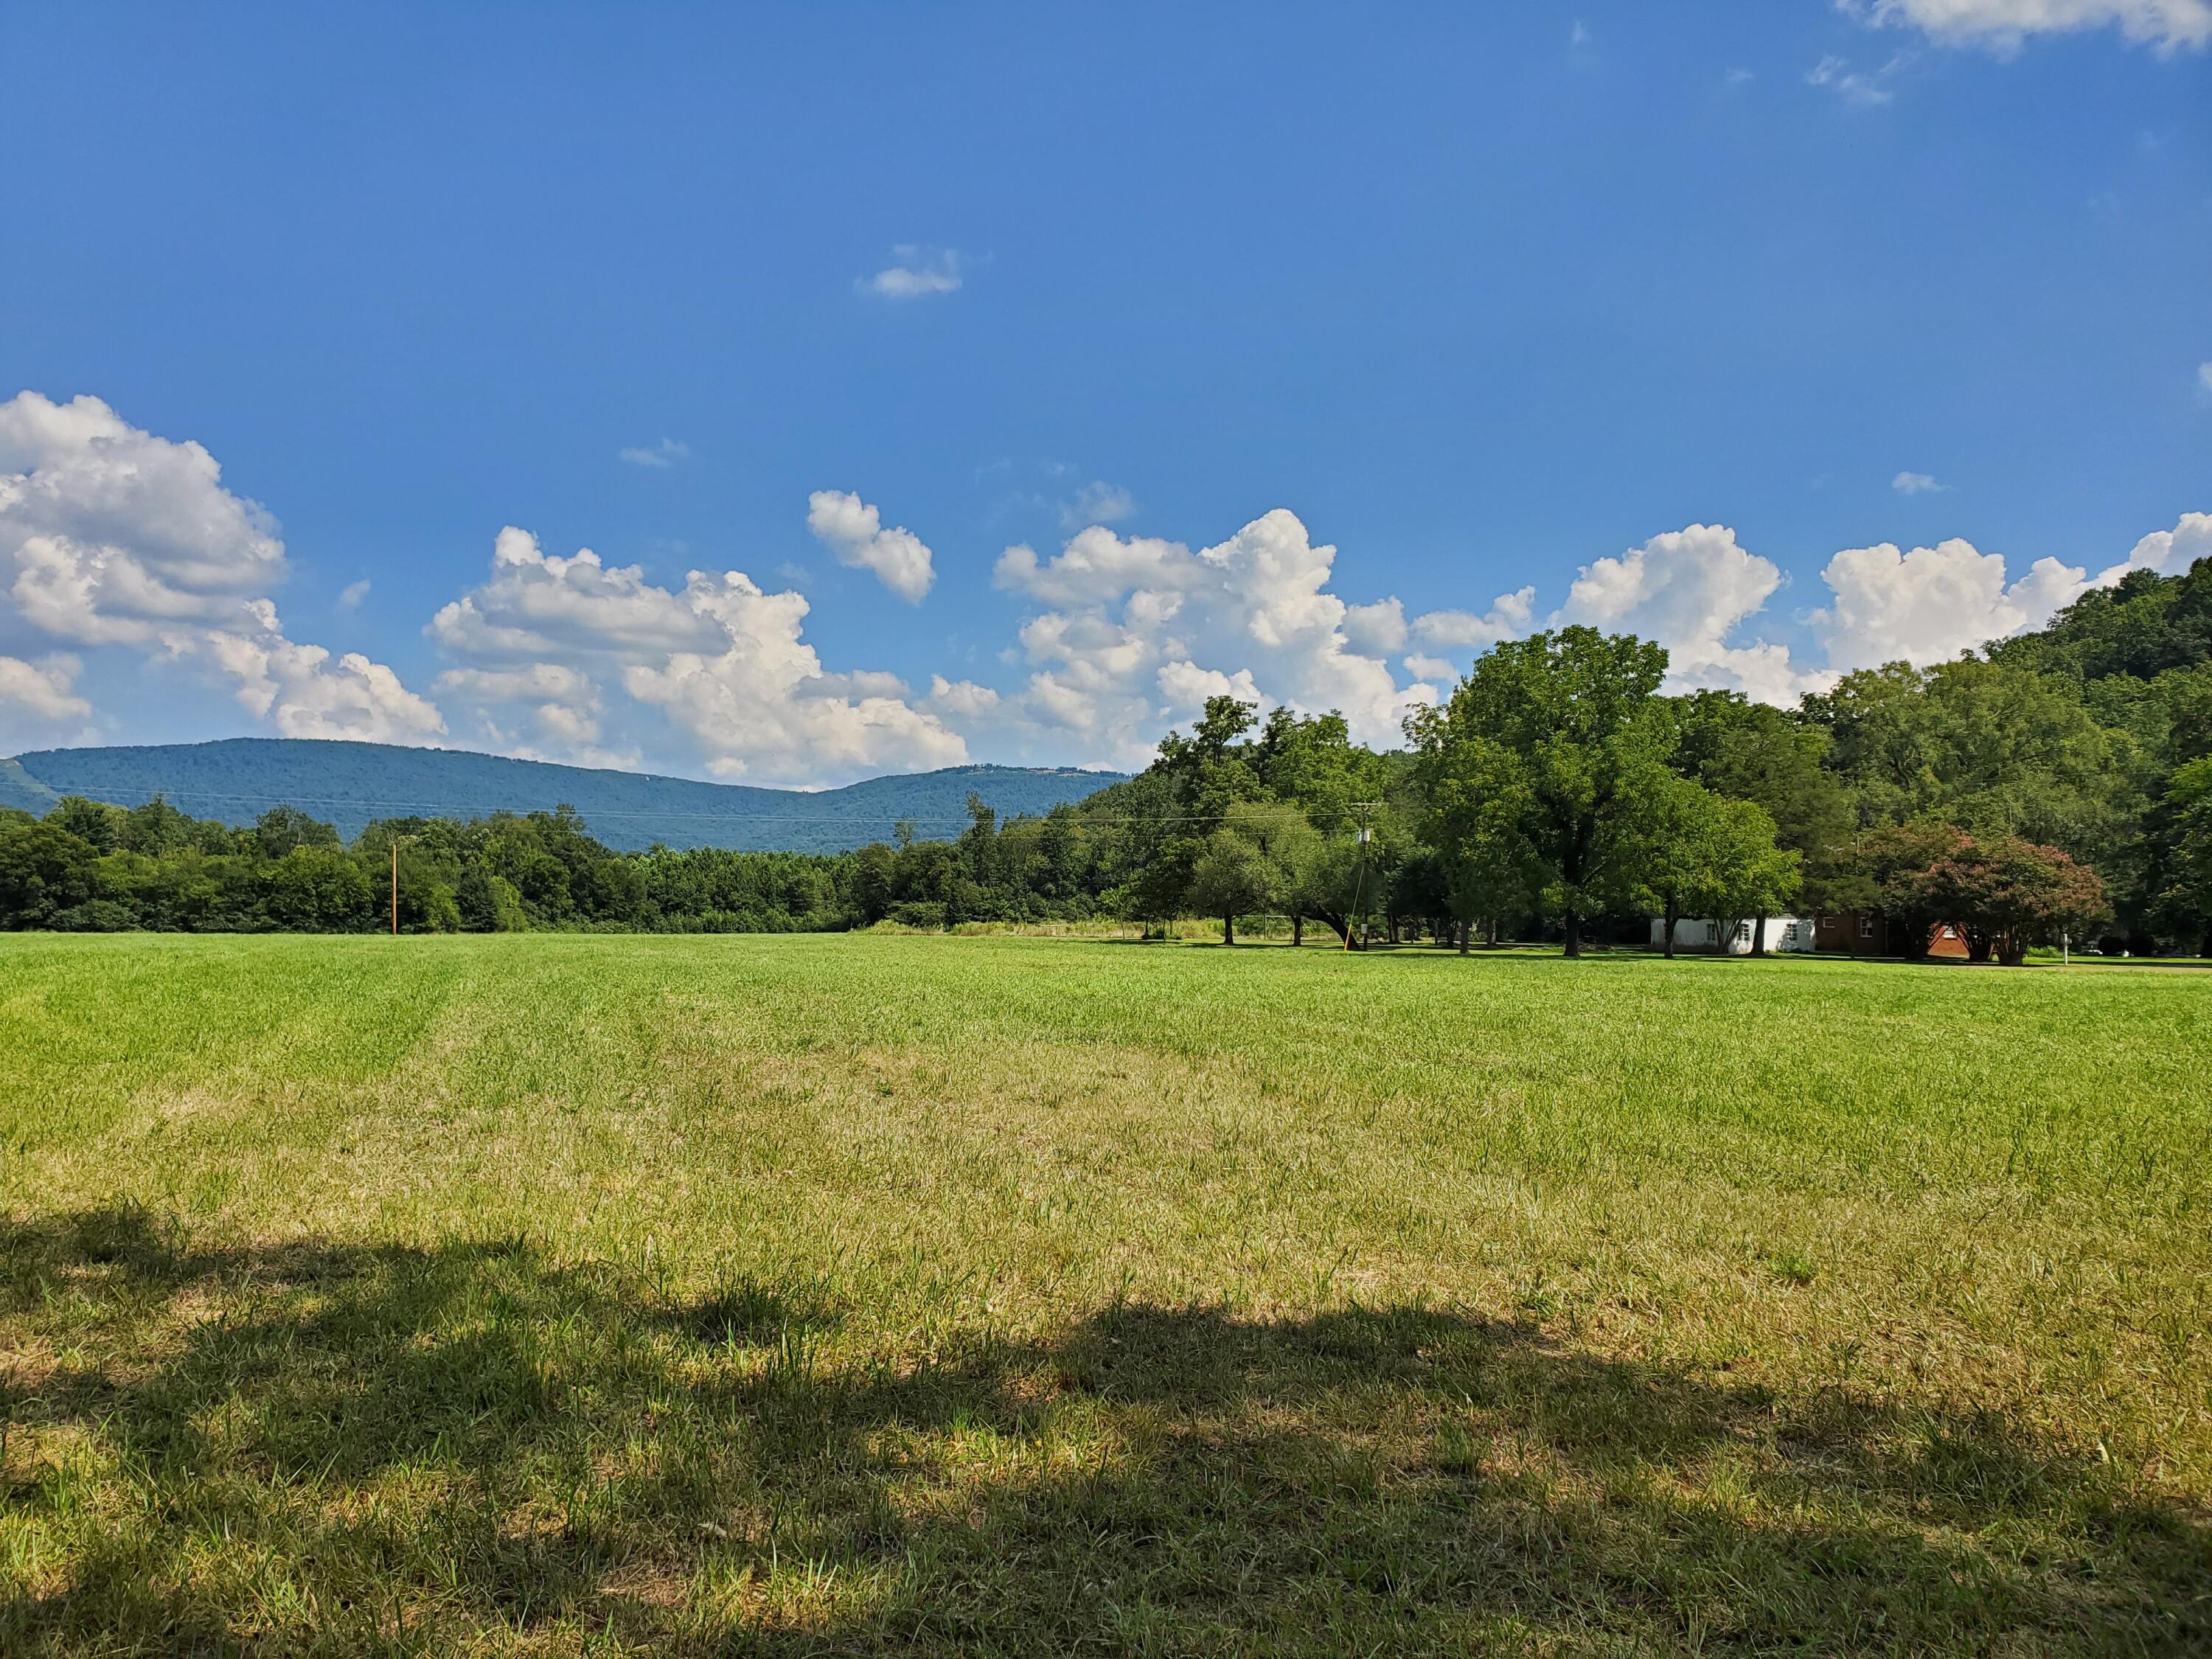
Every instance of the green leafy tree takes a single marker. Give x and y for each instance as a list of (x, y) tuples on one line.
[(1540, 760), (1679, 862), (2141, 627), (1703, 854), (94, 823), (1753, 751), (1751, 877), (281, 829), (1200, 778), (2184, 895), (1988, 747), (318, 889), (1250, 865), (155, 829), (44, 871), (488, 903)]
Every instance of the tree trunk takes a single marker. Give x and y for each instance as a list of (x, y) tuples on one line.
[(1490, 933), (1670, 920), (1297, 930), (1758, 936), (1229, 930), (1466, 928), (1574, 933)]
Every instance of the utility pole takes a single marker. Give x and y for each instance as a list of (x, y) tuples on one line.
[(396, 839), (1359, 881)]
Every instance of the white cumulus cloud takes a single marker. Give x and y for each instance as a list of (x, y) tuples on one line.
[(2168, 552), (111, 536), (1508, 617), (1915, 484), (1929, 604), (854, 532), (545, 640), (1135, 633), (39, 691), (1691, 590), (304, 693)]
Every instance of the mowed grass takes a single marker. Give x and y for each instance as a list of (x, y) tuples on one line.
[(564, 1295)]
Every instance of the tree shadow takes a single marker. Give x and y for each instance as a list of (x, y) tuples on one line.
[(386, 1449)]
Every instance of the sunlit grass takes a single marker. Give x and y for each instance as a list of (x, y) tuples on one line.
[(564, 1294)]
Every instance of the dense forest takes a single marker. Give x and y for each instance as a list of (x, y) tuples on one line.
[(2060, 781)]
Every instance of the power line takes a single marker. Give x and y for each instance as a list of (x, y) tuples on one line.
[(449, 809)]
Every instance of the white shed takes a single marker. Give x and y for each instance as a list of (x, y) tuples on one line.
[(1702, 934)]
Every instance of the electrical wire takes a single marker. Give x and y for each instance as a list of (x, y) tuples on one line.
[(419, 809)]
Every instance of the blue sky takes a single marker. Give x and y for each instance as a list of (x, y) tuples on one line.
[(1665, 317)]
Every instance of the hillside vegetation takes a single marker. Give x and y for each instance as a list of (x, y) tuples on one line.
[(234, 780), (580, 1295)]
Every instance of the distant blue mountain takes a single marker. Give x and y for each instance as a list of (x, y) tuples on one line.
[(238, 779)]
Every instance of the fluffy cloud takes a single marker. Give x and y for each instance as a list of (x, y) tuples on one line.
[(1508, 616), (915, 272), (303, 694), (1915, 484), (1374, 630), (1138, 632), (541, 606), (2169, 552), (1691, 590), (44, 690), (1696, 592), (854, 532), (723, 661), (2001, 25), (1932, 603), (962, 699), (111, 536)]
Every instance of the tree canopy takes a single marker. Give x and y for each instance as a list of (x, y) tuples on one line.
[(2054, 781)]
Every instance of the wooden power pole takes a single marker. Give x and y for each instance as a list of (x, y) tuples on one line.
[(1359, 882), (396, 839)]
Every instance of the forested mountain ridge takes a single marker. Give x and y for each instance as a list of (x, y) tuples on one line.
[(2055, 785), (236, 779)]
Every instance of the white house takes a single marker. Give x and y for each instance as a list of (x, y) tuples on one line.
[(1701, 934)]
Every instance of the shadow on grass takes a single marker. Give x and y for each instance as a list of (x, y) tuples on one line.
[(357, 1450)]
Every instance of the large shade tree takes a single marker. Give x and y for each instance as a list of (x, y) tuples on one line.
[(1541, 763), (1703, 854)]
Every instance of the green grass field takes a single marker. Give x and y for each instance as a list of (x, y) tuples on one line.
[(563, 1295)]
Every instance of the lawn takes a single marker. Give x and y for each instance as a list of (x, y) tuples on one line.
[(564, 1294)]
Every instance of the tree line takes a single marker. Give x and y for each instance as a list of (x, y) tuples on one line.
[(2057, 783)]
